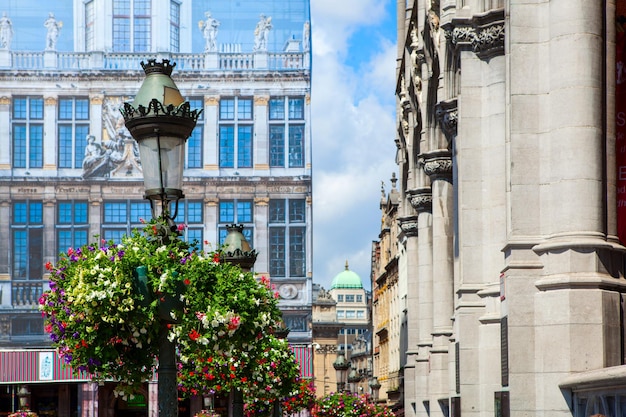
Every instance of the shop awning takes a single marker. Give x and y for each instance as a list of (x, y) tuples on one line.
[(20, 366), (304, 357)]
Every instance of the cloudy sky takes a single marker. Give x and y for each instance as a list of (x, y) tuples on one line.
[(353, 108)]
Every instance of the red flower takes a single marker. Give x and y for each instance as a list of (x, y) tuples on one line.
[(216, 258), (194, 335), (186, 281), (48, 266)]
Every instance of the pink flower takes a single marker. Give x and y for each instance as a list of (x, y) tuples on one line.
[(181, 227), (234, 323)]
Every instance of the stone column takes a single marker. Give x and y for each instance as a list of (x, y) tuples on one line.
[(5, 132), (421, 200), (409, 226), (50, 133), (261, 135), (211, 220), (261, 213), (438, 165), (211, 144), (562, 271)]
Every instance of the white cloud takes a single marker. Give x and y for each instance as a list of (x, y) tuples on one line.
[(353, 128)]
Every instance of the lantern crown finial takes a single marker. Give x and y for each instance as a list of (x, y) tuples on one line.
[(152, 66)]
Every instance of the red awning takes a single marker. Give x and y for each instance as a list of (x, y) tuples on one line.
[(18, 366), (304, 357)]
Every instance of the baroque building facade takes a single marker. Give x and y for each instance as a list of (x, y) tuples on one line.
[(69, 169), (388, 312), (510, 248)]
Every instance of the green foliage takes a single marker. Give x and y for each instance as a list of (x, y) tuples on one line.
[(104, 316)]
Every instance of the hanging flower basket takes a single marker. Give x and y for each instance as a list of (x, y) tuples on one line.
[(108, 302)]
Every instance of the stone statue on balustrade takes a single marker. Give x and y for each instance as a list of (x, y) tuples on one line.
[(54, 27), (6, 31), (306, 37), (261, 33), (209, 29)]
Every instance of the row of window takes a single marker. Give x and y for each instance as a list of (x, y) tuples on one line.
[(350, 298), (350, 314), (235, 130), (352, 331), (287, 229)]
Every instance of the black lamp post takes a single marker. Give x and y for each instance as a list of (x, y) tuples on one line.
[(375, 387), (341, 366), (160, 121)]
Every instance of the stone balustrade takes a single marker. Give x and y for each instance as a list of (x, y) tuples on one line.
[(118, 61)]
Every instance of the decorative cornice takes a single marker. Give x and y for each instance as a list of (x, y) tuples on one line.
[(421, 199), (438, 164), (211, 101), (408, 225), (50, 101), (261, 100), (4, 100), (484, 33)]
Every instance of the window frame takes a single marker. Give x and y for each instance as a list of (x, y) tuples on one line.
[(286, 132), (27, 132), (236, 132)]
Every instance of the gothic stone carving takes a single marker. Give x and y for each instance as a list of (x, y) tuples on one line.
[(446, 113), (438, 165), (421, 199), (408, 225), (483, 33)]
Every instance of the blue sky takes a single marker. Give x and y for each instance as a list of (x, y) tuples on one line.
[(353, 122)]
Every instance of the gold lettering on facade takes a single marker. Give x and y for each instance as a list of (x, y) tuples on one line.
[(68, 190)]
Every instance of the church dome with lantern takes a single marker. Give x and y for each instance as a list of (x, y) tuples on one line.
[(346, 279)]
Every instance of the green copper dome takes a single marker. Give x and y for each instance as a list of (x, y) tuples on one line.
[(346, 279)]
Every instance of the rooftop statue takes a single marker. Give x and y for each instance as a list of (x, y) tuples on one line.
[(209, 28), (54, 27), (261, 33), (6, 31)]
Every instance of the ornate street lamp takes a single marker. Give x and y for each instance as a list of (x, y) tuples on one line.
[(353, 380), (160, 121), (375, 387), (341, 366)]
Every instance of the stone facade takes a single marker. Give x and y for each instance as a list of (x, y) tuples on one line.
[(509, 257), (69, 170)]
